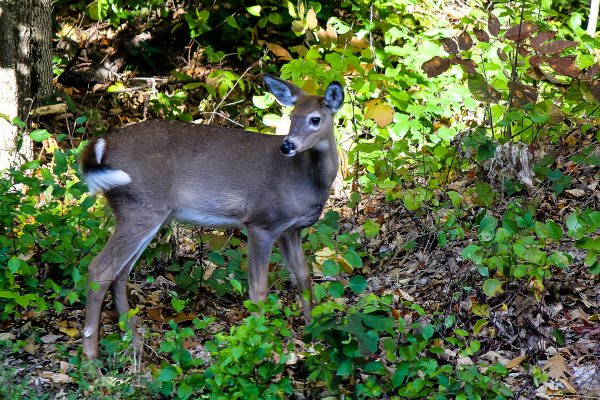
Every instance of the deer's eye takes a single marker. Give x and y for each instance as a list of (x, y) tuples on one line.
[(315, 120)]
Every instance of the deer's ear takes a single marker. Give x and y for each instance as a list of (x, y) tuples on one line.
[(286, 93), (334, 96)]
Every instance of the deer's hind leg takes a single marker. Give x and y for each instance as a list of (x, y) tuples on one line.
[(111, 267)]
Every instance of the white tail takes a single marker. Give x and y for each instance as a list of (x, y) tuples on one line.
[(156, 171)]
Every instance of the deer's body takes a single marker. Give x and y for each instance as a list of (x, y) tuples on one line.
[(156, 171)]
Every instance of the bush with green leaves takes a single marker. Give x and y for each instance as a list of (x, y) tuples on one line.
[(49, 232), (520, 248), (365, 352)]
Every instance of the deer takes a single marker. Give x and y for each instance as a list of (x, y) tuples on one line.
[(157, 171)]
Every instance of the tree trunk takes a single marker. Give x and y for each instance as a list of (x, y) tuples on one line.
[(25, 70), (593, 20)]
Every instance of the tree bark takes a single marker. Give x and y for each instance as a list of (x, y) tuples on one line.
[(593, 21), (25, 70)]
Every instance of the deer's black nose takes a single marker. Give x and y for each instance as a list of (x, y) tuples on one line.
[(287, 147)]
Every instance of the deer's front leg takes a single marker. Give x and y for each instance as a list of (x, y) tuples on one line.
[(260, 243), (290, 244)]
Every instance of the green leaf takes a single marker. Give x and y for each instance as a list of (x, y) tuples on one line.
[(14, 264), (184, 391), (336, 290), (487, 228), (330, 268), (167, 374), (587, 243), (178, 304), (353, 258), (492, 287), (39, 135), (98, 9), (428, 331), (371, 228), (554, 230), (254, 10), (116, 87), (471, 252), (358, 284), (530, 254), (236, 285)]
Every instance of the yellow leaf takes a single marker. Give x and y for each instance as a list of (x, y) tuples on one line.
[(379, 112), (279, 51), (71, 332), (311, 19)]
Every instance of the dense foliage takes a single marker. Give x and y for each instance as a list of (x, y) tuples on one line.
[(455, 122)]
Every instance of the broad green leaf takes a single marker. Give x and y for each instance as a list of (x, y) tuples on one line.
[(353, 258), (39, 135), (330, 268), (236, 285), (358, 284), (530, 254), (178, 304), (554, 230), (336, 290), (492, 287), (487, 228), (167, 374), (371, 228), (184, 391)]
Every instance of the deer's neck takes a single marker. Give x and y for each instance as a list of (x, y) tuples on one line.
[(322, 162)]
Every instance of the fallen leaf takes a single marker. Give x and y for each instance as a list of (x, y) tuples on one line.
[(576, 192), (71, 332), (50, 338), (515, 362), (556, 367)]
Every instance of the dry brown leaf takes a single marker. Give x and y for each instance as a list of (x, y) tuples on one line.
[(327, 36), (521, 31), (435, 66), (541, 37), (515, 362), (279, 51), (493, 25), (523, 94), (564, 66), (465, 42), (467, 65), (556, 367), (481, 35), (449, 45), (556, 47), (379, 112), (591, 73), (502, 55), (576, 192)]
